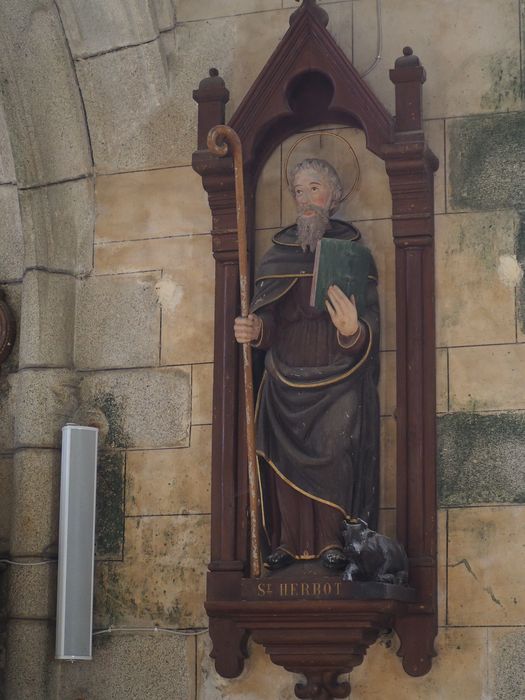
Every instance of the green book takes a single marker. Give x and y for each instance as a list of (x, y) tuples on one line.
[(342, 263)]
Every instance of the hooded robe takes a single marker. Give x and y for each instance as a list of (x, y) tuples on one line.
[(317, 413)]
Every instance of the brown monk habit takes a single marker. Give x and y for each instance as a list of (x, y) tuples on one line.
[(317, 409)]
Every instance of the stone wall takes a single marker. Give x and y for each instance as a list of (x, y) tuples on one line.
[(106, 259)]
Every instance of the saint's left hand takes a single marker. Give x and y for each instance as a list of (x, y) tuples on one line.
[(343, 311)]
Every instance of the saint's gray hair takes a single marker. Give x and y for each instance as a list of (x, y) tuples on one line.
[(327, 171)]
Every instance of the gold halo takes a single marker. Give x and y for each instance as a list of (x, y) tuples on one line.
[(319, 134)]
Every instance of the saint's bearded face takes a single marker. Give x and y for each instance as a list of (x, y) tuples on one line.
[(313, 197)]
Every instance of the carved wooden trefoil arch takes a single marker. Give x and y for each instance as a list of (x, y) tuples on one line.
[(309, 81)]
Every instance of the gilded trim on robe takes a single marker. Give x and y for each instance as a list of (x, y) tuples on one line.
[(287, 481), (279, 277), (335, 380), (299, 490)]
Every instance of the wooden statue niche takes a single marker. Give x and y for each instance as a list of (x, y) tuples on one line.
[(316, 622)]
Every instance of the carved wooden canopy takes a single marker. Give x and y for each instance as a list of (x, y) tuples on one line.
[(308, 81)]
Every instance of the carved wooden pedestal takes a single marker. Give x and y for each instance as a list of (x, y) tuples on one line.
[(309, 81), (320, 639), (316, 625)]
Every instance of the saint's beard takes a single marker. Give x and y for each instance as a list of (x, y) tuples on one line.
[(310, 229)]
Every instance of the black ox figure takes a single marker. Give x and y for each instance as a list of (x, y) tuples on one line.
[(373, 557)]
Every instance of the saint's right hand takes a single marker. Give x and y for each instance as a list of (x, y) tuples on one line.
[(247, 329)]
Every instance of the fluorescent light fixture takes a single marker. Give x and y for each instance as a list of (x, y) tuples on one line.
[(76, 546)]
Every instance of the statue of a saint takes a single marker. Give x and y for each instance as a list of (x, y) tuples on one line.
[(317, 415)]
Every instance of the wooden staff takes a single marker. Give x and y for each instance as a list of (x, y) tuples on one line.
[(219, 139)]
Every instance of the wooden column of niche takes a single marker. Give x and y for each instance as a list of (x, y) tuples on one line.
[(410, 166), (226, 565)]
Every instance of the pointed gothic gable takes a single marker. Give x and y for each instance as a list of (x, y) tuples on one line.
[(308, 80)]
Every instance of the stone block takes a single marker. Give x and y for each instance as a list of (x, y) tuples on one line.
[(377, 236), (32, 591), (441, 380), (13, 296), (101, 26), (161, 580), (42, 101), (148, 119), (58, 222), (11, 236), (35, 493), (477, 42), (522, 24), (485, 172), (201, 394), (6, 469), (188, 10), (145, 408), (475, 293), (109, 525), (458, 670), (186, 290), (487, 378), (45, 400), (259, 679), (162, 482), (520, 292), (7, 164), (7, 411), (48, 320), (387, 383), (481, 458), (485, 566), (30, 646), (388, 462), (151, 204), (136, 666), (164, 14), (117, 321), (435, 135), (238, 46), (506, 651), (157, 127), (485, 161)]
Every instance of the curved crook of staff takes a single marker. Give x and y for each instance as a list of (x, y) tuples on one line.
[(220, 140)]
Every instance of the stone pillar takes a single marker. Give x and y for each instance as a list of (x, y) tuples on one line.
[(44, 401)]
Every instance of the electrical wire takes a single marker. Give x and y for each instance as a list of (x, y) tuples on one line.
[(111, 629), (379, 40), (166, 630), (23, 563)]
